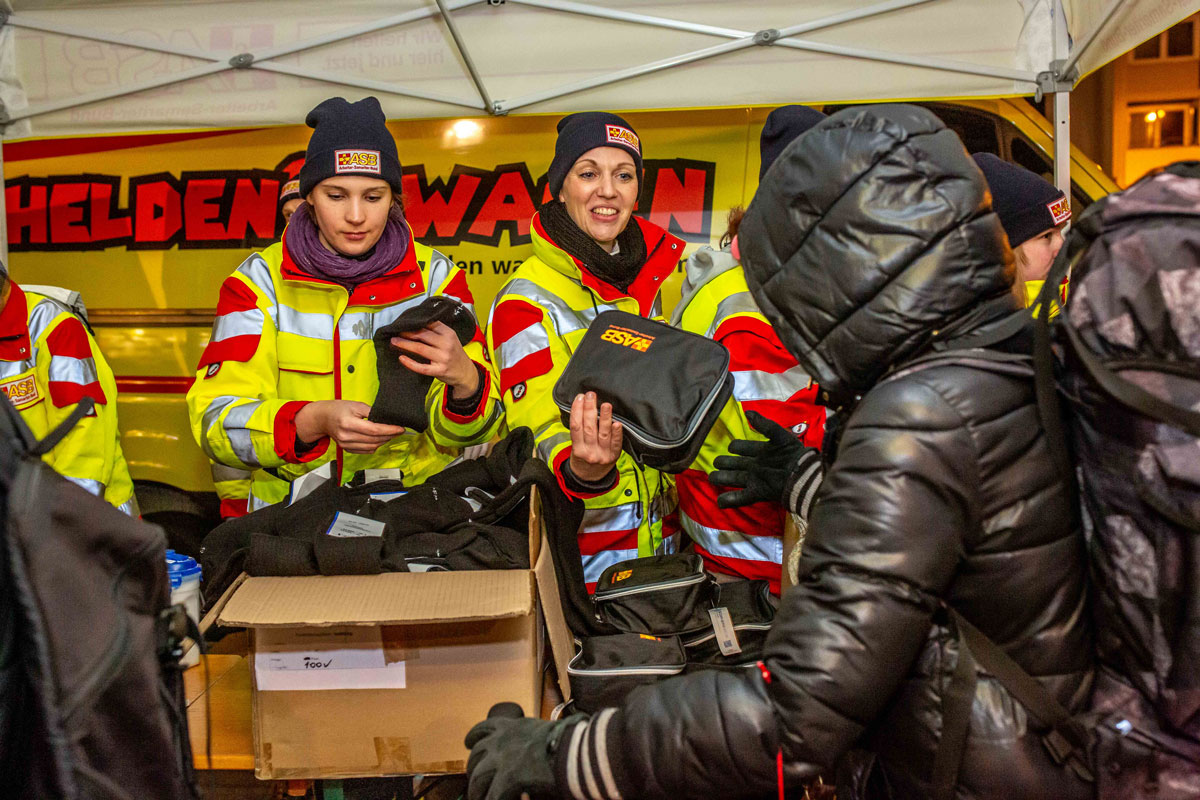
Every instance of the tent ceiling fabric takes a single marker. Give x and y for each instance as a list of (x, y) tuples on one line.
[(165, 64)]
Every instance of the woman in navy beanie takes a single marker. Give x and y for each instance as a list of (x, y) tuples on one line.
[(291, 371), (1033, 213), (590, 254)]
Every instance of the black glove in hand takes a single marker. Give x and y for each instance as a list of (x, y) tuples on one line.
[(511, 756), (780, 470)]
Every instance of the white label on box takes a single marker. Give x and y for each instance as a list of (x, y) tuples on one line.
[(726, 636), (389, 474), (306, 659), (349, 525)]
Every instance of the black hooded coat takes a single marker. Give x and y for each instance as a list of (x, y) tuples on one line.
[(871, 239)]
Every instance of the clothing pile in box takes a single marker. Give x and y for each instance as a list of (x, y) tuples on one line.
[(668, 616), (472, 515)]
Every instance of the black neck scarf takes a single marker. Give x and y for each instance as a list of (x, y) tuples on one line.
[(618, 270)]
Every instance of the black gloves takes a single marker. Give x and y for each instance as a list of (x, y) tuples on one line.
[(511, 756), (780, 470)]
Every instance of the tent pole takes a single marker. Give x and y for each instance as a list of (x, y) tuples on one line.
[(3, 211), (1062, 106), (488, 105)]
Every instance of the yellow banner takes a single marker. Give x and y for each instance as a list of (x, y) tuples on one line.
[(157, 221)]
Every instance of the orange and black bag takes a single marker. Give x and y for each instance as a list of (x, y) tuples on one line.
[(666, 386)]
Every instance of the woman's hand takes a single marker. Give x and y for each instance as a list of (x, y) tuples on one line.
[(595, 439), (448, 362), (344, 421)]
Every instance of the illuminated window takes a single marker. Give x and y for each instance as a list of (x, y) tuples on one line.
[(1162, 125), (1177, 42)]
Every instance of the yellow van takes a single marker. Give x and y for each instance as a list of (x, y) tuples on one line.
[(147, 226)]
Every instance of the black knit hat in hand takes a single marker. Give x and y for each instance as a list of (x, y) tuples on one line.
[(349, 139), (401, 396), (578, 133), (1026, 203)]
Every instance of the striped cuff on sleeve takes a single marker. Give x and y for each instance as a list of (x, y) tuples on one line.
[(587, 762)]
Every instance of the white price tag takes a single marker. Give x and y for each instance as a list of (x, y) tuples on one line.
[(348, 525), (726, 636), (388, 474)]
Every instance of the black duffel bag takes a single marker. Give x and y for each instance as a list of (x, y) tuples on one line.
[(666, 386)]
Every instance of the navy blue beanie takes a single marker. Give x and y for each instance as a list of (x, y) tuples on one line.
[(783, 125), (1026, 203), (583, 131), (349, 139)]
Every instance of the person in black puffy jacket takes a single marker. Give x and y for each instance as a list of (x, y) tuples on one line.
[(870, 244)]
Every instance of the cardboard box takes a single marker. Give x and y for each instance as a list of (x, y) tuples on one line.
[(365, 675)]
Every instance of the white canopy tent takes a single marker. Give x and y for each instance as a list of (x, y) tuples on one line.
[(85, 67)]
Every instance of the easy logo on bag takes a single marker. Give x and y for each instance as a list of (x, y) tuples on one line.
[(356, 161), (627, 338)]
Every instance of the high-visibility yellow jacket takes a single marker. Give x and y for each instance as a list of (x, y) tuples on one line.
[(716, 302), (283, 338), (48, 363), (233, 489), (537, 321)]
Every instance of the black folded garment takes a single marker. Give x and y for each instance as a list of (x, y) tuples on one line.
[(401, 396)]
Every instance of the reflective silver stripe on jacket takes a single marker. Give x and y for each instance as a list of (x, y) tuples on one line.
[(532, 340), (625, 517), (256, 271), (312, 324), (594, 565), (359, 325), (739, 303), (234, 426), (733, 544), (130, 507), (43, 313), (237, 323), (11, 369), (223, 472), (88, 485), (566, 319), (546, 447), (64, 369), (752, 384)]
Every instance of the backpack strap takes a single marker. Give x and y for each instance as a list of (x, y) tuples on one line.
[(51, 440), (1066, 738), (1049, 406)]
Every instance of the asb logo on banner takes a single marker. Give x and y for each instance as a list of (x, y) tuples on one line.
[(356, 161), (618, 135), (1060, 210)]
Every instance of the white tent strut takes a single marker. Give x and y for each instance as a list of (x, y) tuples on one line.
[(466, 57)]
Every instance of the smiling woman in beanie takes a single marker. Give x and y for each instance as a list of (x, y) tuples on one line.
[(290, 374), (590, 254)]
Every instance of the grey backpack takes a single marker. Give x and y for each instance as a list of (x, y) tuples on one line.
[(1118, 384)]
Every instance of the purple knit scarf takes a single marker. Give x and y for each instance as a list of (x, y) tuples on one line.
[(304, 246)]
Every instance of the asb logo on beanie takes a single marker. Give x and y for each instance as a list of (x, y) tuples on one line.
[(1060, 210), (615, 134), (356, 161)]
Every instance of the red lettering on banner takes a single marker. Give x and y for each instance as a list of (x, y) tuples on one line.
[(508, 207), (253, 208), (239, 208), (26, 206), (157, 212), (426, 205), (107, 225), (201, 215), (680, 193)]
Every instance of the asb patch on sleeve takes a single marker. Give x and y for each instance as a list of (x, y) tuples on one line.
[(21, 392), (356, 161), (518, 391)]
